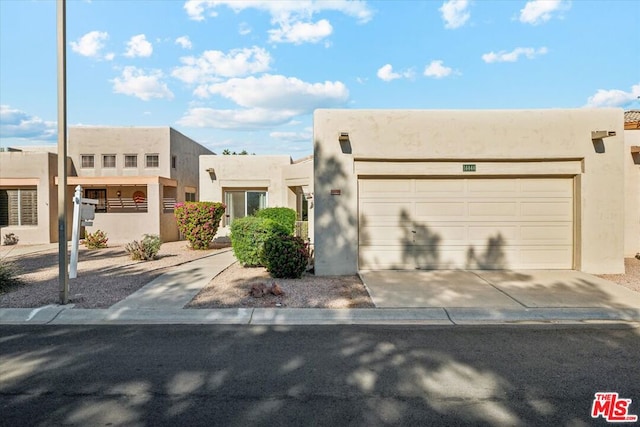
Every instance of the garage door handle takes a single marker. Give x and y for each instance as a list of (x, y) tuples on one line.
[(413, 231)]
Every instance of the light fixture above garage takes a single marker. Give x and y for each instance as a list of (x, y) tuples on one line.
[(345, 142), (600, 134)]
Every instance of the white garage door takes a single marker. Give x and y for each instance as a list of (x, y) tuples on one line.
[(466, 223)]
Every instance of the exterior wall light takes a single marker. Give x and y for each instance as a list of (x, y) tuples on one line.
[(345, 142), (599, 134)]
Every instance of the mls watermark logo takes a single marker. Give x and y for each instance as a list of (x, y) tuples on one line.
[(612, 408)]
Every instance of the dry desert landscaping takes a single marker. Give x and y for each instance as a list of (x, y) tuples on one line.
[(106, 276)]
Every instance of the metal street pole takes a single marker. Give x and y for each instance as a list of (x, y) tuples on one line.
[(63, 272)]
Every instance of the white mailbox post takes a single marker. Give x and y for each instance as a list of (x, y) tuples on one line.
[(84, 211)]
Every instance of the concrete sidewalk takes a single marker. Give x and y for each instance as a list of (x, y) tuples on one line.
[(401, 297)]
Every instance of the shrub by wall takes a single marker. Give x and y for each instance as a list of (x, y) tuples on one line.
[(286, 256), (199, 221), (145, 249), (96, 240), (248, 235), (284, 216)]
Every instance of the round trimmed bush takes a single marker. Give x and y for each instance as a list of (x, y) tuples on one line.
[(284, 216), (286, 256), (248, 236)]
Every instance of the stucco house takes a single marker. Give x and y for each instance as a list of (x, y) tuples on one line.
[(632, 183), (246, 183), (517, 189), (137, 174)]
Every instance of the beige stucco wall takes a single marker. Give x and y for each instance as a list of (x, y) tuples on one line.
[(243, 172), (187, 153), (503, 143), (27, 169), (632, 194)]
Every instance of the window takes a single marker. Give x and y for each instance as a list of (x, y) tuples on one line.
[(87, 161), (174, 162), (109, 161), (152, 161), (100, 194), (244, 203), (130, 161), (19, 207), (189, 197)]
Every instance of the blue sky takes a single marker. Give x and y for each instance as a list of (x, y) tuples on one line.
[(248, 74)]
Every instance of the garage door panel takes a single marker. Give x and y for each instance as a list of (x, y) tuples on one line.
[(461, 222), (439, 188), (392, 208), (547, 258), (547, 210), (436, 210), (492, 210), (546, 234), (385, 188), (482, 188), (547, 188)]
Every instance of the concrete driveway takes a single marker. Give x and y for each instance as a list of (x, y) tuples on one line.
[(520, 289)]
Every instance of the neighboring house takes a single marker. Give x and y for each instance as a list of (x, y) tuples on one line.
[(137, 175), (28, 195), (246, 183), (407, 189), (632, 183)]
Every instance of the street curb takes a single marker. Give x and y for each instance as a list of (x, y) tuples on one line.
[(67, 315)]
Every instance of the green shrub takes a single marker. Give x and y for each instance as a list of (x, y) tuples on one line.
[(199, 221), (248, 235), (286, 256), (97, 240), (284, 216), (145, 249), (8, 273)]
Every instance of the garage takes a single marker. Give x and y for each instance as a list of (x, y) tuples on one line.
[(471, 223)]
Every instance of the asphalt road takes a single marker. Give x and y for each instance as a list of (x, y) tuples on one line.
[(313, 375)]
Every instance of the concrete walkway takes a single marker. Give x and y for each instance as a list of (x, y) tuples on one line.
[(401, 297)]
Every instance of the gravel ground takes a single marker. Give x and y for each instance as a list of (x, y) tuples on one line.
[(631, 278), (231, 288), (106, 276)]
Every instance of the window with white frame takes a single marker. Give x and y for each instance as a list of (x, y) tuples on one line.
[(241, 203), (130, 161), (152, 161), (87, 161), (109, 161), (19, 207), (189, 197)]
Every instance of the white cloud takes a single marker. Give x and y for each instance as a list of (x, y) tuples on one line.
[(292, 19), (146, 86), (539, 11), (514, 55), (281, 10), (138, 46), (91, 44), (387, 74), (276, 92), (244, 29), (301, 32), (303, 136), (614, 97), (455, 13), (437, 70), (19, 124), (267, 101), (184, 42), (253, 118), (213, 64)]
